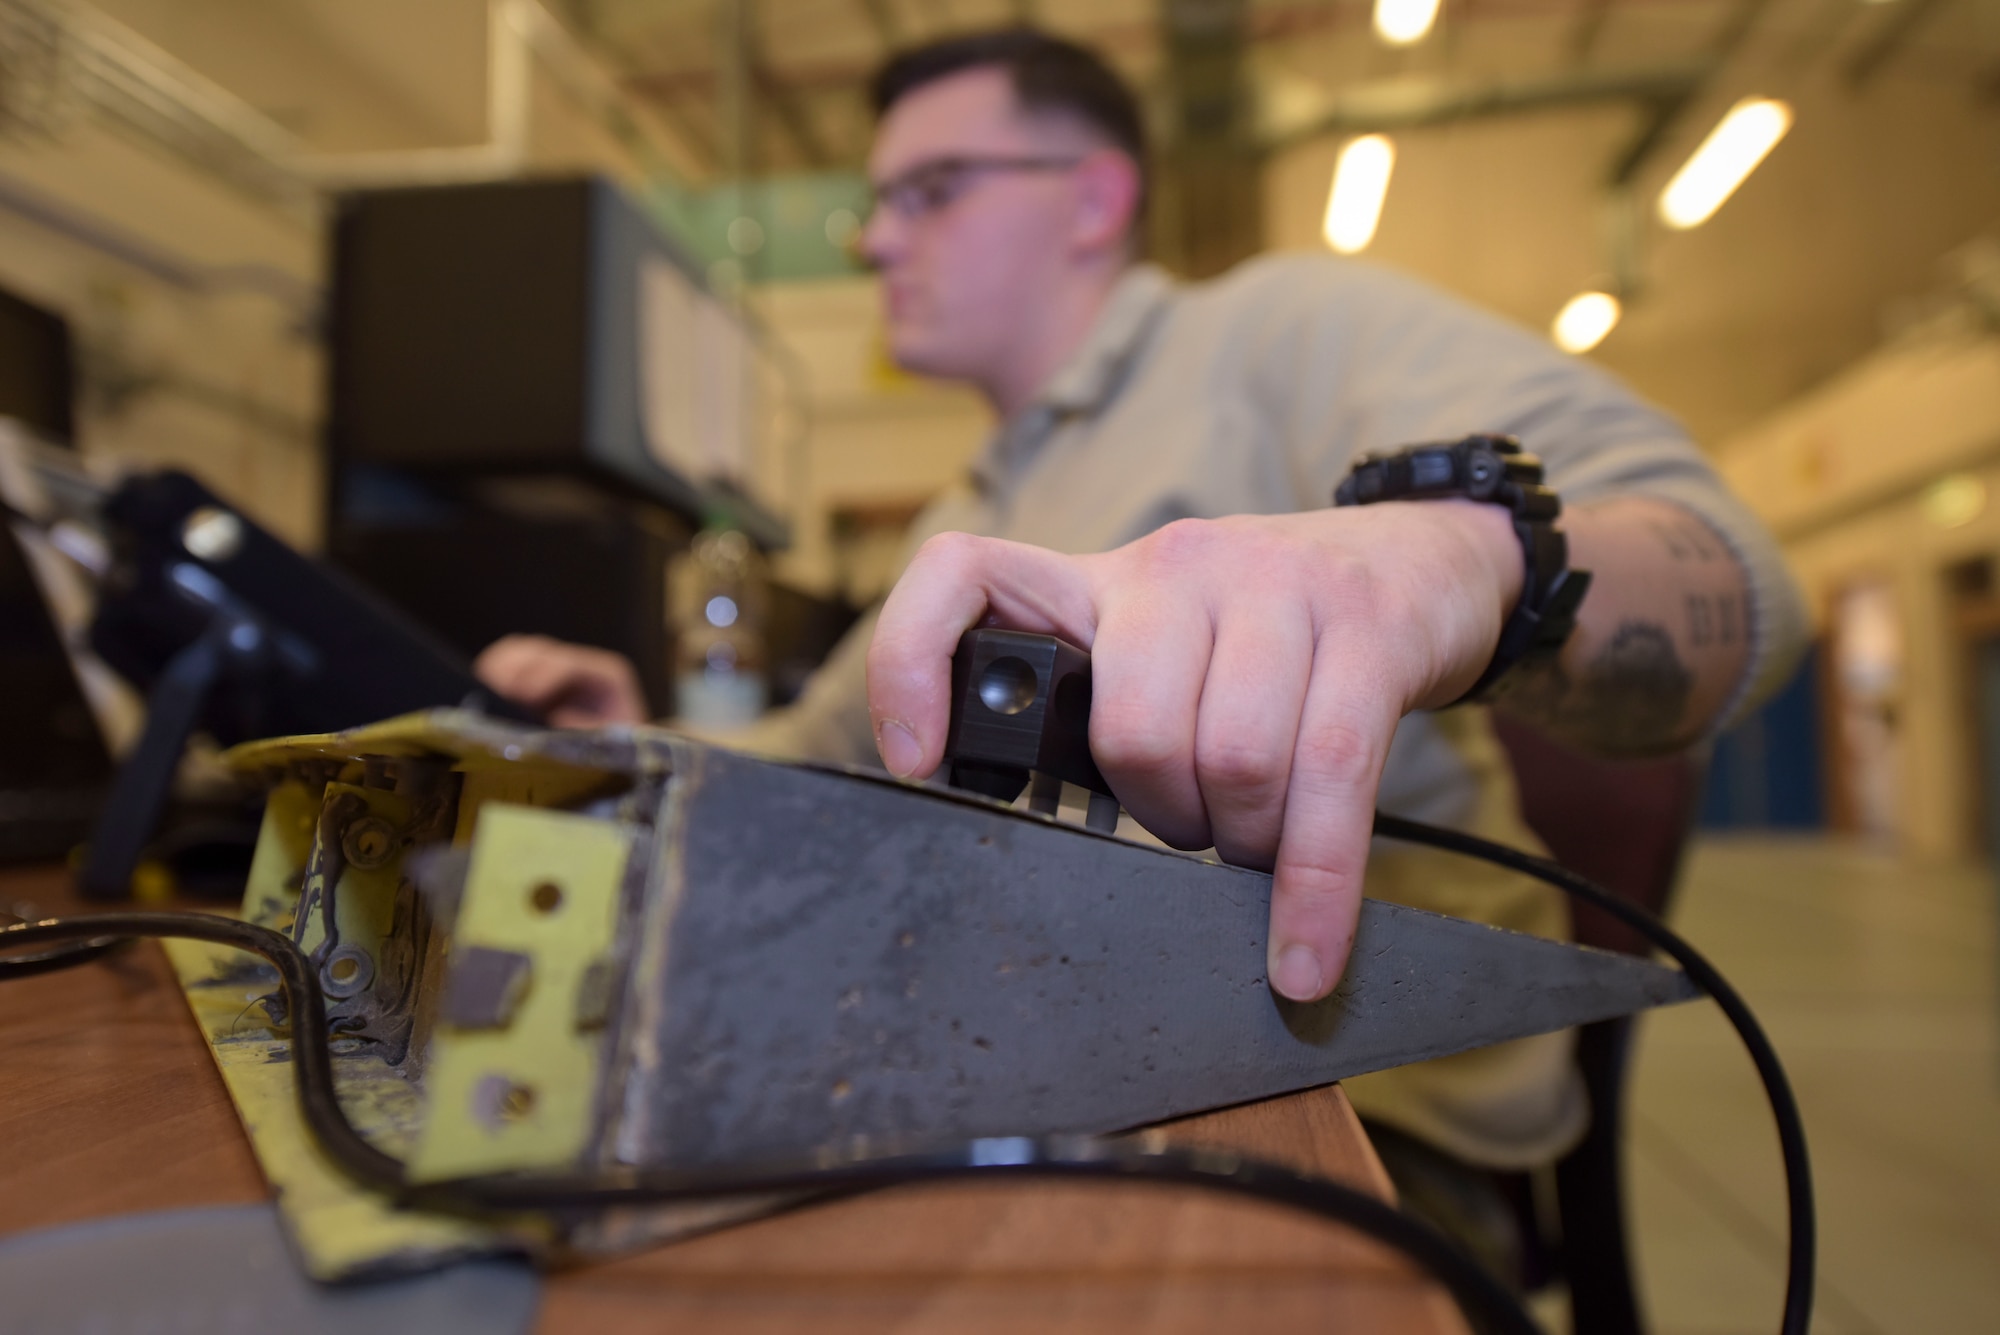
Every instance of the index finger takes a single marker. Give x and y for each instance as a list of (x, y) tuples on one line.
[(1344, 733), (956, 582)]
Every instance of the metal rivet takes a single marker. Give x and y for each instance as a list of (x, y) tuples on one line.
[(368, 843), (348, 971), (546, 897)]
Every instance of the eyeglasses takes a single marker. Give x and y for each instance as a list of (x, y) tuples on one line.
[(928, 187)]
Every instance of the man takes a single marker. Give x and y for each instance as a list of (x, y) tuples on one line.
[(1158, 493)]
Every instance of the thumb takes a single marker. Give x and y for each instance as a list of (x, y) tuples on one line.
[(955, 582)]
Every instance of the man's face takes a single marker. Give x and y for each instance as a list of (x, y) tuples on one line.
[(969, 257)]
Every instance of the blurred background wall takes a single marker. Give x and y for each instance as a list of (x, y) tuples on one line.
[(169, 170)]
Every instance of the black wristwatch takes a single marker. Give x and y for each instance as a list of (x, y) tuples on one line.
[(1496, 470)]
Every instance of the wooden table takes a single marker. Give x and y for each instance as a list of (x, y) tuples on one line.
[(109, 1103)]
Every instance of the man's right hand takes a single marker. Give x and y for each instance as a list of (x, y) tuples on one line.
[(571, 685)]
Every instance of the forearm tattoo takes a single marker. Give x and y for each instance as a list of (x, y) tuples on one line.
[(1712, 620), (1631, 697), (1630, 700)]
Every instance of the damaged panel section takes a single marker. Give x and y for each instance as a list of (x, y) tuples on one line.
[(857, 961)]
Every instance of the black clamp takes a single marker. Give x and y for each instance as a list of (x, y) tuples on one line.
[(1497, 471)]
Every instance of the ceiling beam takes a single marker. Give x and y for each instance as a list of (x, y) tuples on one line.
[(1641, 146), (695, 135), (1728, 39), (791, 113), (1207, 208), (1889, 38), (1411, 103), (1736, 28), (1589, 26), (1828, 23), (743, 46)]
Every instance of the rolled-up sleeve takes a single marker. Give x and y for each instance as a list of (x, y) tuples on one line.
[(1401, 362)]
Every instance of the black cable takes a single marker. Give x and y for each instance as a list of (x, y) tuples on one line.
[(318, 1103), (62, 957), (1802, 1242), (1494, 1310)]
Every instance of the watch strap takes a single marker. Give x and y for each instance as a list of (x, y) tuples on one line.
[(1493, 469)]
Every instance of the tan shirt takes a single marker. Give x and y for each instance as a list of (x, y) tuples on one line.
[(1252, 394)]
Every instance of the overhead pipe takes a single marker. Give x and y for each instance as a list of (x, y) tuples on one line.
[(1415, 103), (1668, 108), (104, 237)]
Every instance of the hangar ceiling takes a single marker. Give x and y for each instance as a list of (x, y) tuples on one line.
[(1532, 136)]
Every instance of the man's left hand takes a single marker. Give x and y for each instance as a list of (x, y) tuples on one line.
[(1248, 676)]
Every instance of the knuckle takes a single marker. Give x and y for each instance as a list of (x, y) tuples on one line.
[(1353, 589), (1339, 750), (1320, 883), (1178, 544), (1239, 765), (1257, 537), (949, 551), (1130, 742), (888, 657)]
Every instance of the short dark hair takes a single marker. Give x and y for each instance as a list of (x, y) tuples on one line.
[(1048, 74)]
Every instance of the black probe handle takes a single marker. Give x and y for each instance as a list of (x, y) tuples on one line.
[(1020, 705)]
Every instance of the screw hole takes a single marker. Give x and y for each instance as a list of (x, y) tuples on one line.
[(546, 897), (346, 973), (369, 842), (1008, 685), (518, 1102)]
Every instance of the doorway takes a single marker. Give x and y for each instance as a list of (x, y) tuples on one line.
[(1865, 682), (1974, 602)]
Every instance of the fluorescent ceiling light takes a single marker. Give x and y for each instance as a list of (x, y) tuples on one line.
[(1731, 152), (1403, 22), (1583, 323), (1360, 183)]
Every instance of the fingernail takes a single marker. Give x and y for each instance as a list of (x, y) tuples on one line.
[(1297, 974), (899, 748)]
